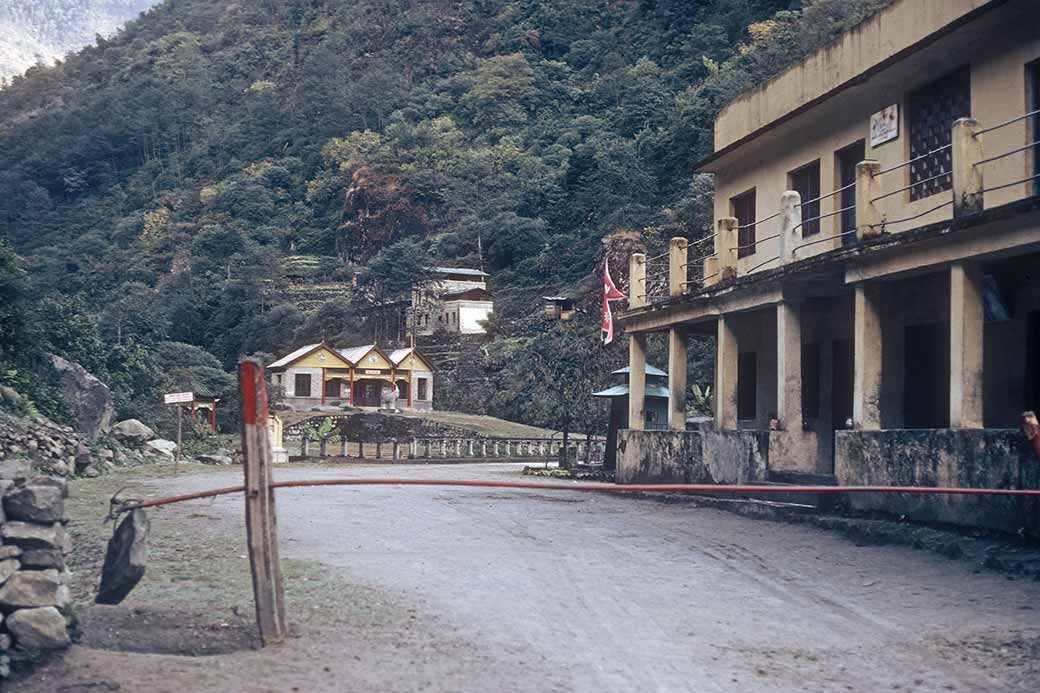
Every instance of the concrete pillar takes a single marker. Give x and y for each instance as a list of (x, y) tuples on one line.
[(727, 241), (636, 380), (637, 280), (789, 366), (711, 271), (967, 319), (868, 187), (677, 343), (967, 176), (726, 375), (677, 251), (866, 394), (790, 225)]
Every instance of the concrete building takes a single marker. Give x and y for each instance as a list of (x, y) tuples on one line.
[(319, 375), (453, 300), (873, 279)]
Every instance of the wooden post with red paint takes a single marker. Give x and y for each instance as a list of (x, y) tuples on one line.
[(261, 519)]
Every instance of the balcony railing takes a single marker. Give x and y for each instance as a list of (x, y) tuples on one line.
[(674, 272)]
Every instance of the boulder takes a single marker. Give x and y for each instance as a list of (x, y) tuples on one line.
[(41, 559), (8, 568), (161, 446), (14, 468), (125, 559), (8, 551), (39, 629), (28, 589), (28, 536), (89, 399), (36, 502), (132, 430)]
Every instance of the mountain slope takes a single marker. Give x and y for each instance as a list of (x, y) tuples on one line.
[(42, 31)]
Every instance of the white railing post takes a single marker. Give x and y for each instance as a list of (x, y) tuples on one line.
[(677, 252), (790, 225), (967, 175), (868, 187), (728, 239)]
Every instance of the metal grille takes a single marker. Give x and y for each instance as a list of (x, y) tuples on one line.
[(933, 109)]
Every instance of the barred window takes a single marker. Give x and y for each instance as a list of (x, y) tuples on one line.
[(806, 181), (933, 110)]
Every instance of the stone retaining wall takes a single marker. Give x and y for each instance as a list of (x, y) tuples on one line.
[(692, 457), (33, 546), (987, 458)]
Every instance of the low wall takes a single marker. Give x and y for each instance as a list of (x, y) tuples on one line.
[(692, 457), (988, 458)]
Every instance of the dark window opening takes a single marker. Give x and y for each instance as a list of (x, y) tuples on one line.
[(332, 389), (847, 160), (747, 386), (933, 110), (422, 389), (811, 380), (1032, 389), (806, 181), (302, 385), (926, 384), (1036, 126), (744, 211)]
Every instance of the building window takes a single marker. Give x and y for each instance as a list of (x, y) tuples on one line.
[(743, 208), (332, 389), (806, 181), (845, 167), (421, 383), (302, 385), (933, 110), (747, 386)]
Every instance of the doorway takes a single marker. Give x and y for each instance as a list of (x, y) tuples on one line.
[(842, 364), (848, 157), (926, 381)]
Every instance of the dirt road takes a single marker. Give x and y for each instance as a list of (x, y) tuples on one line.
[(475, 589)]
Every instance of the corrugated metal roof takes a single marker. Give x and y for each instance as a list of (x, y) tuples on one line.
[(398, 355), (460, 270), (355, 354), (622, 391), (650, 370), (290, 357)]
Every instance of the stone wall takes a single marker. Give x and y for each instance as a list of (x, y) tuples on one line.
[(987, 458), (692, 457), (33, 546)]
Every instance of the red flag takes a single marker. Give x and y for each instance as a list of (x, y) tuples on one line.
[(610, 293)]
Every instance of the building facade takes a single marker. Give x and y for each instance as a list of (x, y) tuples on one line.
[(872, 282), (365, 377), (454, 300)]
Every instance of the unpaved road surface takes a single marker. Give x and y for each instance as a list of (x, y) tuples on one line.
[(497, 590)]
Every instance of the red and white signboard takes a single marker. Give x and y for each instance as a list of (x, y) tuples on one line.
[(176, 397)]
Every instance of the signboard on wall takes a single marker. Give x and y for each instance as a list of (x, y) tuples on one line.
[(884, 125)]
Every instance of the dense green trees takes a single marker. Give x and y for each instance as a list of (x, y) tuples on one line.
[(155, 182)]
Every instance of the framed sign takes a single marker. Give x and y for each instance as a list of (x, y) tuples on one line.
[(177, 397), (884, 125)]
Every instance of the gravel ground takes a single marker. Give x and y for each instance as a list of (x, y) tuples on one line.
[(485, 589)]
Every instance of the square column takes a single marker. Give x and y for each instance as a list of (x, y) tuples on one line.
[(677, 343), (866, 395), (725, 375), (967, 319), (789, 366), (636, 381)]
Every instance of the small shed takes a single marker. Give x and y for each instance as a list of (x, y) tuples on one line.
[(559, 308), (656, 408)]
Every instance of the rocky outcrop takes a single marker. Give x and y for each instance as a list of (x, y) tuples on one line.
[(161, 446), (33, 546), (89, 399), (28, 447)]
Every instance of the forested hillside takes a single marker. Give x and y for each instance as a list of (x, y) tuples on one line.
[(43, 31), (154, 183)]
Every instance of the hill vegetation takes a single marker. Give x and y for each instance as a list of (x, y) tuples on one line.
[(152, 184)]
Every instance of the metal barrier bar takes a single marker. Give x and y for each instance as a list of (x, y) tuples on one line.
[(824, 216), (761, 264), (830, 194), (824, 240), (1008, 185), (760, 221), (912, 185), (914, 160), (1008, 122), (1013, 151), (916, 216)]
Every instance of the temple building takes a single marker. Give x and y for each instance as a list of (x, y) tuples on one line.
[(320, 375), (872, 280), (450, 299)]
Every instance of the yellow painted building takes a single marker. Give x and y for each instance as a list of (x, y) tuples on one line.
[(365, 377)]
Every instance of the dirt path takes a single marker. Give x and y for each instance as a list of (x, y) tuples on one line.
[(476, 589)]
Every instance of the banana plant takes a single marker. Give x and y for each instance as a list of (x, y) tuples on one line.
[(320, 433)]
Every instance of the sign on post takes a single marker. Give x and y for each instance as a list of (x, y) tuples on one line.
[(178, 398)]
